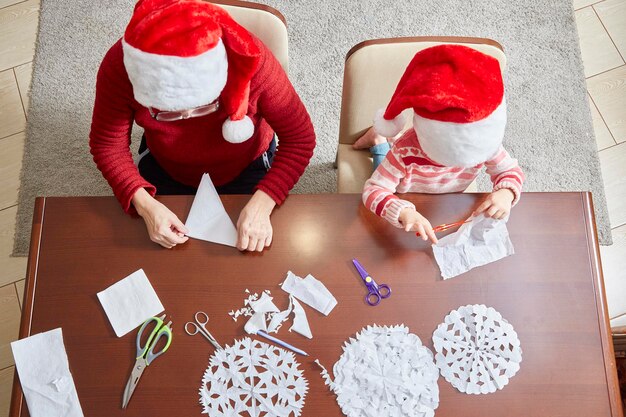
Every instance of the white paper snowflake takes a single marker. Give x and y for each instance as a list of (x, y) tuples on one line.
[(384, 372), (477, 350), (254, 379)]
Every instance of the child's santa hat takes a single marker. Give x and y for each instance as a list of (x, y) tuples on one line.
[(457, 95), (181, 54)]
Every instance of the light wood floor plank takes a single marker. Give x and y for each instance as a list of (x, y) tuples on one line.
[(12, 119), (12, 269), (19, 287), (598, 52), (612, 14), (23, 74), (11, 152), (608, 92), (579, 4), (18, 30), (614, 272), (6, 385), (613, 162), (10, 314), (604, 139)]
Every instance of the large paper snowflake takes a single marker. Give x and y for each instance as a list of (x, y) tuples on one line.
[(384, 372), (253, 379), (477, 350)]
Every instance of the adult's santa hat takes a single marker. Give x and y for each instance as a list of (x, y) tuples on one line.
[(181, 54), (457, 96)]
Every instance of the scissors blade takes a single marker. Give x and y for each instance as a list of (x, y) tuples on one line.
[(360, 269), (135, 375)]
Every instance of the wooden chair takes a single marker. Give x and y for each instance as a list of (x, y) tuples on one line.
[(265, 22), (371, 72)]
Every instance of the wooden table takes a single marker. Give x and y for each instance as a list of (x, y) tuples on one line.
[(551, 291)]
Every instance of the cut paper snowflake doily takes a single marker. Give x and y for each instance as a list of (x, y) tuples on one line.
[(254, 379), (477, 350), (384, 372)]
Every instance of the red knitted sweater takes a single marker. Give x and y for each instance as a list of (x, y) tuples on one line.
[(186, 149)]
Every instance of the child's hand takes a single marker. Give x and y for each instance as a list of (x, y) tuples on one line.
[(411, 220), (497, 204)]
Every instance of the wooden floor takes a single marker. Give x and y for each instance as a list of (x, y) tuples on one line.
[(602, 32)]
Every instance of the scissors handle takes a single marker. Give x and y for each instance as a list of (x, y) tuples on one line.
[(384, 291), (147, 350), (372, 298), (199, 326)]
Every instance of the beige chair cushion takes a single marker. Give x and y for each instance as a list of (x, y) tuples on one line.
[(266, 26), (370, 77)]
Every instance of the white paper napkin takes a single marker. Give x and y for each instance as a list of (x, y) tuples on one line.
[(479, 242), (208, 219), (47, 383), (130, 302)]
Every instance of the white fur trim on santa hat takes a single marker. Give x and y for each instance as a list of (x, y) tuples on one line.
[(388, 128), (174, 83), (462, 144), (237, 131)]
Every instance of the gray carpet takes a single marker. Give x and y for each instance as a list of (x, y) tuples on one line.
[(549, 130)]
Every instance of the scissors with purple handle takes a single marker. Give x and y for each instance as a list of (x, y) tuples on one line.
[(375, 292)]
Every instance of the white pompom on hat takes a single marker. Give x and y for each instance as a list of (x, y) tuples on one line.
[(181, 54)]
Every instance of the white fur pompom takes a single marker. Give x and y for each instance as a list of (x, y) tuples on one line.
[(237, 131), (388, 128)]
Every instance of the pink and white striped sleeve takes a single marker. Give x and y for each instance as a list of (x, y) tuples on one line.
[(505, 173), (378, 192)]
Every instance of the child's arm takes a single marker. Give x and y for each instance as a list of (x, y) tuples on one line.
[(507, 178), (378, 196)]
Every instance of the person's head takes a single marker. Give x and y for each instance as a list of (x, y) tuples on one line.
[(457, 96), (182, 55)]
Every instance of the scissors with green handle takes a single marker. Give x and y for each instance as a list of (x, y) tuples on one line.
[(146, 353)]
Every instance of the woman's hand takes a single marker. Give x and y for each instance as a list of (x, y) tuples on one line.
[(254, 229), (163, 226), (412, 221), (497, 204)]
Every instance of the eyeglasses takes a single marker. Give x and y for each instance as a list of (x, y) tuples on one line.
[(171, 116)]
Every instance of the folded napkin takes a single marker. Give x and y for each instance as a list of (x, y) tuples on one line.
[(310, 291), (208, 219), (45, 376), (130, 302)]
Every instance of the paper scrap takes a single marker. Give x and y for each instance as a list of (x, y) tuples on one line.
[(477, 350), (481, 241), (208, 219), (129, 302), (310, 291), (256, 323), (43, 368), (264, 304), (253, 378), (300, 323), (277, 319), (385, 371)]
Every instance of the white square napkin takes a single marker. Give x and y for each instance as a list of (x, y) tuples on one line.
[(130, 302)]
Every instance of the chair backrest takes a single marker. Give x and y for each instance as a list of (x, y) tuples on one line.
[(265, 22), (374, 67)]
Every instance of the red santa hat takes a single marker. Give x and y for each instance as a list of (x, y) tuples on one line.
[(181, 54), (457, 95)]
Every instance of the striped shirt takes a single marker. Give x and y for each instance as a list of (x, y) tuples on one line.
[(407, 169)]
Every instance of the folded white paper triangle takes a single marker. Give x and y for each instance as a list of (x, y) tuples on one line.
[(208, 219)]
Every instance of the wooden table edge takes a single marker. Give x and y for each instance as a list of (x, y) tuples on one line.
[(603, 314), (17, 397)]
